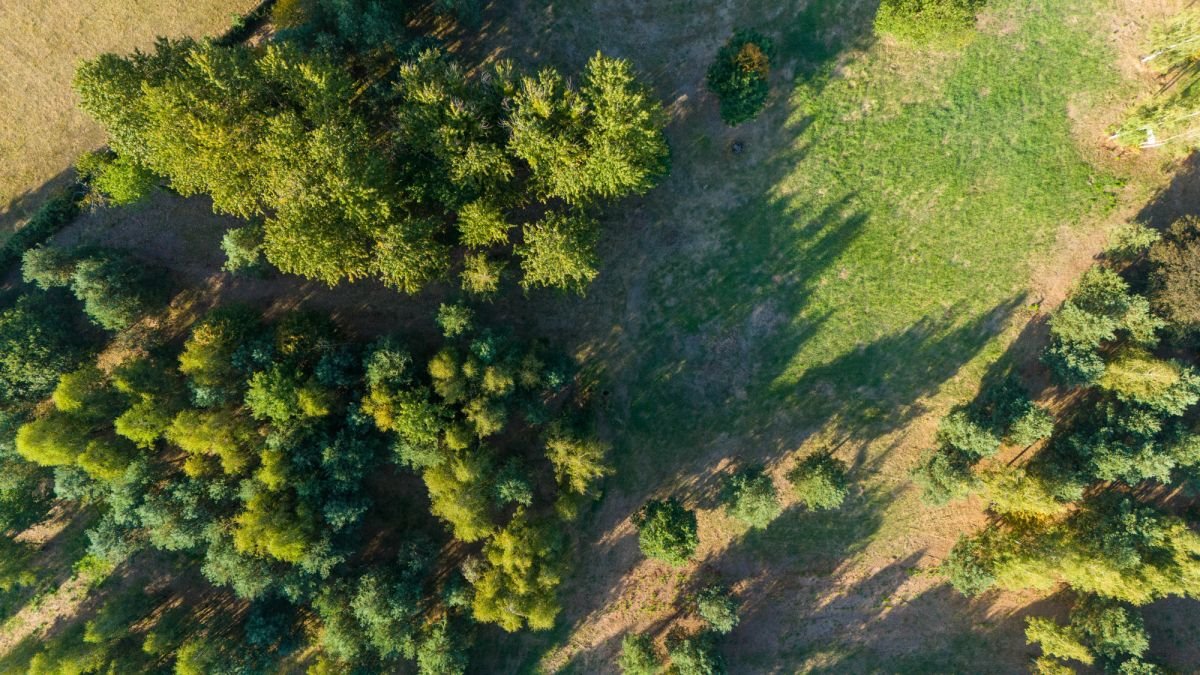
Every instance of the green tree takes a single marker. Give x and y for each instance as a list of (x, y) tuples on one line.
[(820, 482), (519, 584), (717, 606), (637, 655), (559, 251), (667, 531), (749, 496)]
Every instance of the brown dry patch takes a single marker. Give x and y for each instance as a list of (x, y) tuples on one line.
[(41, 43)]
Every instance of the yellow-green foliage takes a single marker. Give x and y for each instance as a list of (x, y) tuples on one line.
[(54, 440), (486, 415), (206, 354), (1057, 641), (459, 494), (271, 526), (518, 588), (106, 458), (76, 391), (1015, 492), (447, 376), (578, 462), (482, 224), (222, 433), (1137, 374)]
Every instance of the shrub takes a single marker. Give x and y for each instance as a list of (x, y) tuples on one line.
[(718, 607), (943, 477), (243, 247), (115, 289), (1037, 423), (739, 76), (36, 347), (820, 482), (750, 497), (637, 655), (927, 21), (667, 531), (958, 431), (48, 267)]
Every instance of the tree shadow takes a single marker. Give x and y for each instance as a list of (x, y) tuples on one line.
[(22, 206), (1181, 197)]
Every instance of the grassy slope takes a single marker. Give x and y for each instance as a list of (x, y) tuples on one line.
[(41, 41), (856, 266)]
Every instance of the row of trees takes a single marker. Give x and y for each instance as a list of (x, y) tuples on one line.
[(1090, 510), (399, 167)]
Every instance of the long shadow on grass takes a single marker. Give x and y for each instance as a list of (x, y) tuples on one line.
[(1180, 198)]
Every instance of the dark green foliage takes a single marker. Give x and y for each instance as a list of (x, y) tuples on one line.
[(943, 477), (38, 343), (738, 76), (440, 651), (820, 482), (695, 654), (56, 213), (750, 497), (717, 606), (968, 567), (115, 289), (928, 21), (667, 531), (637, 655), (1175, 275)]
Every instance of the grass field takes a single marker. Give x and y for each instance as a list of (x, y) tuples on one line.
[(40, 44), (891, 226)]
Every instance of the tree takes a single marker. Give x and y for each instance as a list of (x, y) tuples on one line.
[(579, 460), (118, 180), (524, 568), (603, 141), (559, 251), (637, 655), (243, 247), (115, 289), (749, 496), (667, 531), (36, 347), (718, 607), (820, 482), (439, 651), (1175, 274), (695, 654), (738, 76)]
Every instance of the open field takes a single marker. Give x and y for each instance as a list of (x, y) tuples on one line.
[(40, 45), (892, 230)]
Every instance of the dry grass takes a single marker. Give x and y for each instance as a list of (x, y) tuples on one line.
[(41, 42)]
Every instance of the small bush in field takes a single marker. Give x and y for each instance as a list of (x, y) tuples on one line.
[(739, 76), (820, 482), (927, 21)]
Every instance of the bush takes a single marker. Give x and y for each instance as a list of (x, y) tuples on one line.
[(1037, 423), (958, 431), (718, 607), (820, 482), (48, 267), (928, 21), (739, 76), (637, 655), (667, 531), (36, 347), (750, 497)]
